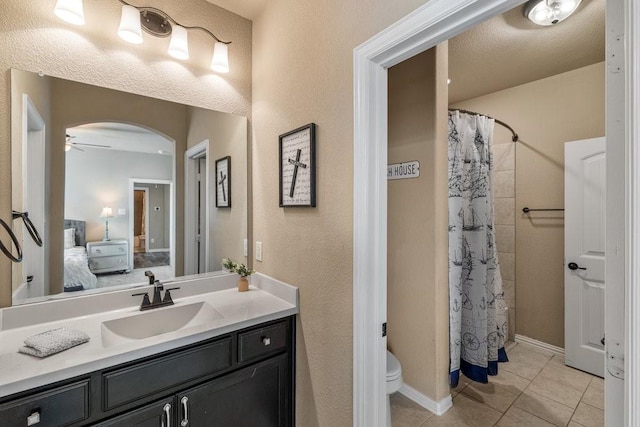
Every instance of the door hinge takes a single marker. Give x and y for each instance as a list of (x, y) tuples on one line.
[(384, 329), (615, 359)]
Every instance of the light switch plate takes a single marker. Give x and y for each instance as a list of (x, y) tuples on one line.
[(258, 251), (245, 247), (122, 211)]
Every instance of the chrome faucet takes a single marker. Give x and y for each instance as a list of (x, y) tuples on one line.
[(157, 300)]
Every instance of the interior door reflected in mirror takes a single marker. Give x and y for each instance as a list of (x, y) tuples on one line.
[(118, 184)]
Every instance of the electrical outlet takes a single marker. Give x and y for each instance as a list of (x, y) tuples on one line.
[(153, 240), (245, 247), (258, 251)]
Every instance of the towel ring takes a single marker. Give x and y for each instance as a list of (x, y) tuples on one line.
[(29, 225), (4, 249)]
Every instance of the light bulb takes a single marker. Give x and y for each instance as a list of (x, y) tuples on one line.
[(70, 11), (220, 60), (130, 29), (179, 44)]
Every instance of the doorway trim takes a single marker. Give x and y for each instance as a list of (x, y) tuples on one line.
[(36, 260), (433, 23), (172, 216), (190, 157), (146, 216)]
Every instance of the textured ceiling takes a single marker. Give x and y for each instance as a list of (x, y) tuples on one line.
[(249, 9), (509, 50)]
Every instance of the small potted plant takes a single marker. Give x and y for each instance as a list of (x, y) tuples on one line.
[(242, 270)]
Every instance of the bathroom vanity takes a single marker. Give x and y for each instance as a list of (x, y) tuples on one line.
[(236, 368)]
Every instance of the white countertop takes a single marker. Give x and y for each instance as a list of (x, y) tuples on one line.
[(267, 299)]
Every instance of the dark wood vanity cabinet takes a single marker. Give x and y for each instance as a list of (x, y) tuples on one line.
[(241, 379)]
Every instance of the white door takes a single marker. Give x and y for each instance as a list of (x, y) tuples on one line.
[(584, 251)]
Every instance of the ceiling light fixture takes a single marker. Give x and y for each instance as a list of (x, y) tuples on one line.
[(153, 21), (550, 12)]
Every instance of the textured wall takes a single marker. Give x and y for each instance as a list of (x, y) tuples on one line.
[(546, 114), (417, 281), (32, 38), (302, 72)]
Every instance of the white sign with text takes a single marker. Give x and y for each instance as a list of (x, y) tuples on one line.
[(404, 170)]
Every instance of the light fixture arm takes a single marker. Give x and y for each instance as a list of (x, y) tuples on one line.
[(173, 21)]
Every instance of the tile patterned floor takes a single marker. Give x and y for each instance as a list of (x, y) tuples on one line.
[(534, 388)]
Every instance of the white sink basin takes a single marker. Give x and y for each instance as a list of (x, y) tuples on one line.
[(156, 321)]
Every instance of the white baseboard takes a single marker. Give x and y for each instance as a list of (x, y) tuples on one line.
[(438, 408), (540, 344), (160, 250)]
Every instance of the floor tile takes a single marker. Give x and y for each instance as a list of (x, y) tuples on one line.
[(521, 368), (465, 412), (568, 376), (594, 396), (406, 413), (510, 381), (490, 394), (545, 408), (516, 417), (509, 345), (597, 382), (462, 383), (588, 416), (555, 390), (531, 350)]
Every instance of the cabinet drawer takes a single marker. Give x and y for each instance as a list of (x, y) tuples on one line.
[(262, 341), (155, 376), (60, 406), (106, 250), (108, 262)]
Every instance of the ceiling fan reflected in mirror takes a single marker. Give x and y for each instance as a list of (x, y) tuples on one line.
[(75, 145)]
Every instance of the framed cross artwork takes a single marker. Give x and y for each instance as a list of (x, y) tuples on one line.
[(298, 167), (223, 182)]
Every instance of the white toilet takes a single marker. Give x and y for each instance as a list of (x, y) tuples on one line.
[(394, 381)]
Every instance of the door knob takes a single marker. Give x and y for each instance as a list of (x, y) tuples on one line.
[(574, 266)]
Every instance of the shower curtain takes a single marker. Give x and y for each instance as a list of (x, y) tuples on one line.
[(477, 318)]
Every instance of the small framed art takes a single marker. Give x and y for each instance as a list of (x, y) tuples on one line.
[(298, 167), (223, 182)]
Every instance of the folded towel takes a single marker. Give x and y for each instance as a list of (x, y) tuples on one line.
[(53, 341)]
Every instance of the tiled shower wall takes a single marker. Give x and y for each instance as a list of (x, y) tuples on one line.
[(504, 166)]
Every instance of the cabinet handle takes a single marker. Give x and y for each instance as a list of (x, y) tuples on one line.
[(167, 415), (185, 413), (266, 341)]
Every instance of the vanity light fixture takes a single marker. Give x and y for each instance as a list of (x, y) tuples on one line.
[(159, 24), (70, 11), (135, 19), (550, 12)]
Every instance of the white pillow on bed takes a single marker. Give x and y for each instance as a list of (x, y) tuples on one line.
[(69, 238)]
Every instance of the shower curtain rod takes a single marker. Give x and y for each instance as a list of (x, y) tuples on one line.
[(514, 138)]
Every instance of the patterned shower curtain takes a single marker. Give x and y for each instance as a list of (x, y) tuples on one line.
[(477, 318)]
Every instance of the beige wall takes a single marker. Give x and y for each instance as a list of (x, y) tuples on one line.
[(32, 38), (417, 264), (303, 72), (227, 136), (546, 114)]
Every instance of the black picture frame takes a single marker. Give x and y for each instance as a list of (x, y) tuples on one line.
[(297, 171), (223, 182)]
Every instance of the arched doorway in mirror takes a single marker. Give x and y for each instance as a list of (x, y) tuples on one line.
[(120, 203)]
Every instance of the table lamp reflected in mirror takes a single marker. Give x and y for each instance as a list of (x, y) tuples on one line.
[(106, 213)]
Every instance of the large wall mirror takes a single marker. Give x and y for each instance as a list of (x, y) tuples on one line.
[(117, 184)]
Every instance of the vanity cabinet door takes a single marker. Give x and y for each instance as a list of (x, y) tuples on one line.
[(256, 396), (157, 414)]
